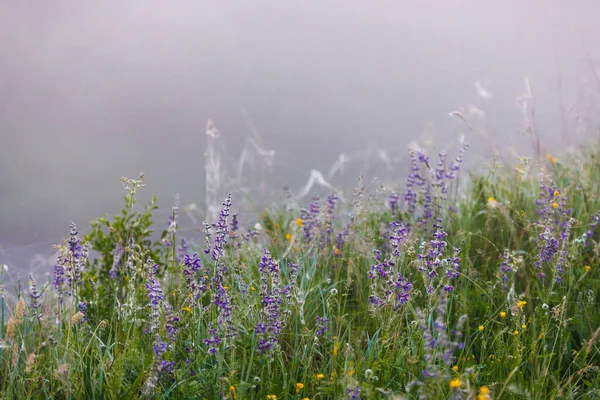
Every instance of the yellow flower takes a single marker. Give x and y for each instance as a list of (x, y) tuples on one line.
[(556, 193), (337, 251), (271, 397), (306, 398), (548, 156), (481, 328), (299, 222), (299, 386), (522, 213), (288, 237), (520, 304), (554, 205), (483, 393), (336, 347), (232, 390), (253, 288), (587, 268), (332, 377), (320, 376), (226, 287), (492, 202), (516, 333), (523, 326), (502, 314), (455, 368), (351, 372), (553, 160), (188, 309), (455, 383)]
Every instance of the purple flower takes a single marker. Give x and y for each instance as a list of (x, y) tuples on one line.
[(35, 296), (322, 325), (82, 306), (117, 255), (354, 394), (155, 294), (270, 325)]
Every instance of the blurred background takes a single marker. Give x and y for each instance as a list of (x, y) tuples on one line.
[(94, 90)]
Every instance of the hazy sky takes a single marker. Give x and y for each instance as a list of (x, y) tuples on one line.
[(93, 90)]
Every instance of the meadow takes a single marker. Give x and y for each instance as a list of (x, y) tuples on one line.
[(478, 285)]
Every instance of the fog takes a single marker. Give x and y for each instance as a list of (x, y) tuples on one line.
[(94, 90)]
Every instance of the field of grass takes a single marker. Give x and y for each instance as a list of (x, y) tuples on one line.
[(484, 291)]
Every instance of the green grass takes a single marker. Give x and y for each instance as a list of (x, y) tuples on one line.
[(535, 340)]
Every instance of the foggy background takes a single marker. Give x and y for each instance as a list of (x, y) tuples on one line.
[(94, 90)]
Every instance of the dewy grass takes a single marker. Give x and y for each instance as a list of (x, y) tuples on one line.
[(493, 294)]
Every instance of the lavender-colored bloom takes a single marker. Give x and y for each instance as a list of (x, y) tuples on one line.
[(354, 394), (207, 235), (393, 199), (322, 325), (82, 306), (171, 322), (440, 345), (270, 325), (388, 285), (35, 296), (155, 294), (222, 232), (594, 222), (117, 256), (213, 340)]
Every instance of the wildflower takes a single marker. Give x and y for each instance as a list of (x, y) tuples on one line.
[(288, 237), (492, 203), (271, 397), (353, 393), (455, 368), (556, 193), (306, 398), (455, 383), (502, 314), (270, 325), (336, 348), (117, 256), (553, 160), (523, 326), (82, 306), (253, 288), (232, 390), (320, 376), (322, 325), (299, 221), (516, 333), (520, 304), (337, 252), (35, 299), (554, 204), (483, 393), (587, 268), (481, 328), (188, 309), (299, 386)]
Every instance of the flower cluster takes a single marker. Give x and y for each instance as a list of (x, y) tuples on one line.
[(555, 223), (117, 256), (388, 285), (69, 265), (432, 258), (155, 294), (434, 184), (440, 342), (35, 296), (322, 325), (270, 325)]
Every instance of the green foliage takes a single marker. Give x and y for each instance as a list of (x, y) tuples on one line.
[(537, 339)]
